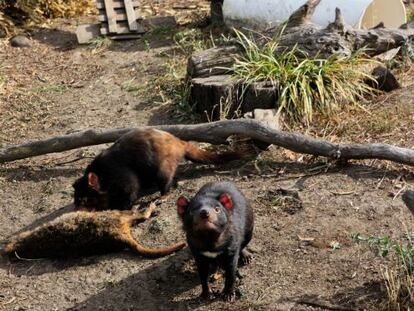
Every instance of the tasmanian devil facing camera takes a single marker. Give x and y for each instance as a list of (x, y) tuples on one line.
[(136, 161), (218, 222)]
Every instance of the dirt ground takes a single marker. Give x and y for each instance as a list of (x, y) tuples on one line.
[(303, 250)]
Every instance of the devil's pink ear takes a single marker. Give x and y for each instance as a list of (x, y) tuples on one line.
[(93, 181), (182, 204), (226, 200)]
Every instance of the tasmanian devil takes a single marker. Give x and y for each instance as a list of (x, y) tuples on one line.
[(136, 161), (218, 222), (84, 233)]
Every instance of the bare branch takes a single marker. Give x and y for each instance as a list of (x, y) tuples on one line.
[(216, 133)]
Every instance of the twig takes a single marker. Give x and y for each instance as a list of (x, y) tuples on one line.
[(343, 193), (10, 301), (399, 191)]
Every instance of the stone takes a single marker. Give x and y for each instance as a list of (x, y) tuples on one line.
[(268, 116), (20, 41), (87, 32)]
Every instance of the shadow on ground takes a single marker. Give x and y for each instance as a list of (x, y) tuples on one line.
[(154, 288), (365, 297)]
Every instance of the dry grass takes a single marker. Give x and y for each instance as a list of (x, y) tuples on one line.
[(25, 12), (397, 270), (400, 288)]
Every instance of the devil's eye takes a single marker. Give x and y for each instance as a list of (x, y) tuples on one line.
[(217, 209)]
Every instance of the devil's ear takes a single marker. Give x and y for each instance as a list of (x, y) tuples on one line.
[(182, 203), (93, 182), (226, 201)]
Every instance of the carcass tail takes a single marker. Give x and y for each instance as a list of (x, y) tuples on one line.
[(155, 252)]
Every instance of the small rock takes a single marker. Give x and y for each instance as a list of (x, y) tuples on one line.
[(269, 117), (20, 41)]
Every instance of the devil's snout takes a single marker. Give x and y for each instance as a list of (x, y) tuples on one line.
[(204, 214)]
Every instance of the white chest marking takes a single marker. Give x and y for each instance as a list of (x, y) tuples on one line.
[(210, 254)]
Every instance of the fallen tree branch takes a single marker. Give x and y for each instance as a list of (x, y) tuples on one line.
[(217, 133)]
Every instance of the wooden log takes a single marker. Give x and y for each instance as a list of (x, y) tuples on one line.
[(337, 38), (213, 61), (217, 133)]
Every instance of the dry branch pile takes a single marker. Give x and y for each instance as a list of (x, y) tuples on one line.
[(17, 13)]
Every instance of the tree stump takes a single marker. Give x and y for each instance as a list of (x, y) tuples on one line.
[(214, 97), (221, 96)]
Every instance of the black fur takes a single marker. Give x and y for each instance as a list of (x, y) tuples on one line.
[(232, 231), (123, 169)]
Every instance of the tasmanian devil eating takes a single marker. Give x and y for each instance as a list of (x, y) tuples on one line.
[(136, 161), (218, 222)]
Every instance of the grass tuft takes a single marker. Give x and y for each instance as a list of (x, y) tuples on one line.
[(305, 85)]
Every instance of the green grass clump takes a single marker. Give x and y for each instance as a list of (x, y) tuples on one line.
[(304, 84)]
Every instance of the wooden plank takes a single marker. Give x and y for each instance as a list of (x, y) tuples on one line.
[(132, 19), (119, 15), (122, 28), (116, 4), (110, 14)]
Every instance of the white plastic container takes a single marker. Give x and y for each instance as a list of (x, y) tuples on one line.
[(357, 13)]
